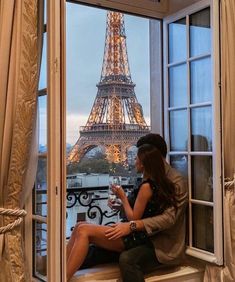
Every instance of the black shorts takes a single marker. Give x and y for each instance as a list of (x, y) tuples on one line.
[(135, 239)]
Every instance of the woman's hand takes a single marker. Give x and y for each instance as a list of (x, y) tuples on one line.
[(119, 192), (118, 230), (114, 207)]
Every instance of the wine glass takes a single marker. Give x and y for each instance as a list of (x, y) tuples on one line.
[(115, 201)]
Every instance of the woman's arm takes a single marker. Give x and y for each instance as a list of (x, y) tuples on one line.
[(144, 195)]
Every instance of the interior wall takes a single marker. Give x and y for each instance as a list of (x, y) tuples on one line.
[(151, 8), (176, 5)]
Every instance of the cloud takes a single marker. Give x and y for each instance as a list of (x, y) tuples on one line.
[(73, 123)]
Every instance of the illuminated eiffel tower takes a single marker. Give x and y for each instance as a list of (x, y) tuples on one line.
[(116, 119)]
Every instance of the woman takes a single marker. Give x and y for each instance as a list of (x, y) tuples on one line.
[(153, 196)]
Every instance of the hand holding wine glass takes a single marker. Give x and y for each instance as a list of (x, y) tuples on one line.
[(114, 201)]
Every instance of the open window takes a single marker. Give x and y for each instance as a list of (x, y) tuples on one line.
[(192, 120), (183, 57), (107, 107)]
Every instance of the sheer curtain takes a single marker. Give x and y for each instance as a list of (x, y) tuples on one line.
[(227, 274), (20, 41)]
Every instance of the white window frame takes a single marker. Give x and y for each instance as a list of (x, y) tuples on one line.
[(55, 155), (56, 133), (217, 257)]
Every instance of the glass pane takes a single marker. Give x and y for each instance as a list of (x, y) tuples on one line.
[(40, 198), (178, 85), (177, 41), (178, 130), (201, 128), (200, 33), (43, 70), (202, 180), (42, 108), (180, 163), (40, 250), (200, 77), (203, 234)]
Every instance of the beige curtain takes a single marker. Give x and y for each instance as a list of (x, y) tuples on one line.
[(228, 98), (227, 273), (19, 72)]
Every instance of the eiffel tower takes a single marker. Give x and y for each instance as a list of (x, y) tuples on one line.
[(116, 119)]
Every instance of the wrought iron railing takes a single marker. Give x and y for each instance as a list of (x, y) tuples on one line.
[(83, 204), (88, 204), (91, 204)]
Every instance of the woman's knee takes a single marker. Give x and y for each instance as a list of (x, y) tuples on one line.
[(81, 230)]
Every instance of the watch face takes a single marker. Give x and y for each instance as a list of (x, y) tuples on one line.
[(133, 226)]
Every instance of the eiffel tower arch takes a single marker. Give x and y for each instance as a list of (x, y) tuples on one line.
[(116, 119)]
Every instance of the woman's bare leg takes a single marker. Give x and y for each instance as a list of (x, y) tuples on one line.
[(83, 236), (72, 239)]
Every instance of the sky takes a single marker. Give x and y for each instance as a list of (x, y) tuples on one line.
[(85, 41)]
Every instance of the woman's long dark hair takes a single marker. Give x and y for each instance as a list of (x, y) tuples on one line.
[(154, 168)]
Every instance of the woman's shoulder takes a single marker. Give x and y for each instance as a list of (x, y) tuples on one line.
[(151, 183)]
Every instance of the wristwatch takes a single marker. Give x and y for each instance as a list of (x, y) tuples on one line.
[(133, 226)]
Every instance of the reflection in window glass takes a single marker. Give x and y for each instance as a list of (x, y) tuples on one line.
[(203, 237), (200, 72), (178, 130), (177, 41), (201, 128), (40, 200), (43, 70), (200, 33), (42, 126), (202, 184), (180, 163), (178, 85), (40, 248)]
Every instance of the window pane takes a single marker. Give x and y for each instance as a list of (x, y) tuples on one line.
[(177, 41), (180, 162), (200, 33), (202, 183), (178, 85), (42, 108), (40, 199), (201, 128), (43, 70), (203, 236), (40, 249), (200, 72), (178, 130)]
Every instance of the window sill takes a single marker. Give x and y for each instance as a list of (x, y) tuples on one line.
[(192, 272)]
